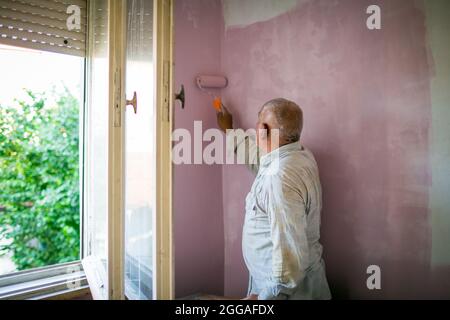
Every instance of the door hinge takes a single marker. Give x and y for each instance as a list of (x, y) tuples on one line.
[(117, 98), (166, 88)]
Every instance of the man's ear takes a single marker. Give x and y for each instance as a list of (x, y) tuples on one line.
[(263, 131)]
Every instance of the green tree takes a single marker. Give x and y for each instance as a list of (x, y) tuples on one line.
[(39, 179)]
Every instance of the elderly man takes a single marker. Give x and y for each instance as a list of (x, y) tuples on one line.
[(282, 221)]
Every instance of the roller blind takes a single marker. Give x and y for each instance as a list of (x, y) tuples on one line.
[(42, 25)]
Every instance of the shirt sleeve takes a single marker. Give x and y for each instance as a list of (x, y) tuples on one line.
[(244, 147), (290, 253)]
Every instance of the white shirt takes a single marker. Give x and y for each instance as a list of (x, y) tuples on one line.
[(282, 225)]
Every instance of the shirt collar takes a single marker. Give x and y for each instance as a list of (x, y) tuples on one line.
[(268, 158)]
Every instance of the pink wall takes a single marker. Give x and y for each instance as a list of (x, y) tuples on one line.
[(366, 101), (198, 226), (367, 106)]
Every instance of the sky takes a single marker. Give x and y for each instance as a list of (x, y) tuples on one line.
[(37, 70)]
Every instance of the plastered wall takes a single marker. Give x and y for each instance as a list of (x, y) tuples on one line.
[(376, 117), (197, 194)]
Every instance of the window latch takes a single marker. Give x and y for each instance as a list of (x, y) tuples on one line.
[(133, 102)]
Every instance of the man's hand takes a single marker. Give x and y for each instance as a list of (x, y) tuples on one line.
[(251, 297), (224, 119)]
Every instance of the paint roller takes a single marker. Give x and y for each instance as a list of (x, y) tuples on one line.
[(205, 83)]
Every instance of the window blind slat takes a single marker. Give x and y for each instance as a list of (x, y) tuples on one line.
[(80, 3), (16, 15), (7, 22), (53, 5), (42, 25), (43, 47), (43, 38), (33, 10)]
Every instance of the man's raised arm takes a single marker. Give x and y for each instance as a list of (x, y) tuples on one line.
[(239, 142)]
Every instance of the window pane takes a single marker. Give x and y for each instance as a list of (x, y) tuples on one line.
[(96, 174), (139, 152), (40, 102)]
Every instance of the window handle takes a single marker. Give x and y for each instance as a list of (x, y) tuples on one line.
[(133, 102), (181, 96)]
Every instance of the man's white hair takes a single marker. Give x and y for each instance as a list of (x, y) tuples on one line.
[(289, 117)]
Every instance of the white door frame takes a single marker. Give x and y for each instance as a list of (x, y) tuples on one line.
[(116, 222), (163, 244)]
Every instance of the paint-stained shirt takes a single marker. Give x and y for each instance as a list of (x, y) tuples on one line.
[(282, 225)]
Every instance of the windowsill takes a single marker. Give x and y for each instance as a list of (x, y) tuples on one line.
[(66, 279)]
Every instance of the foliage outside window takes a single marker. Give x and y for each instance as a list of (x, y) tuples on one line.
[(39, 179)]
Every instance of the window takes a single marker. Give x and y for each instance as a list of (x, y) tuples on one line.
[(133, 257), (40, 106), (41, 99), (42, 64), (124, 234)]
